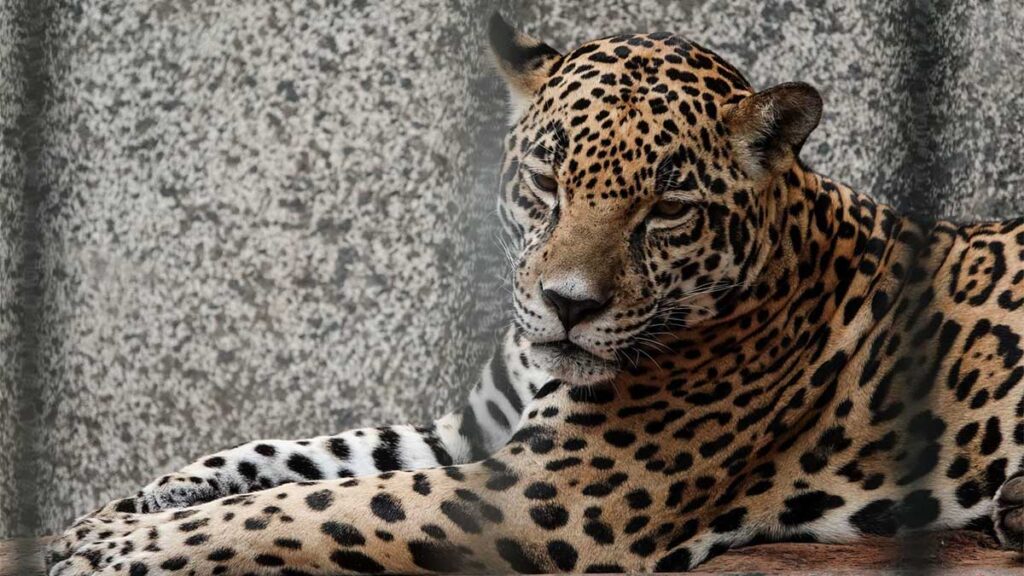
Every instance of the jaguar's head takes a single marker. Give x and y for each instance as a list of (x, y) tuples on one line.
[(637, 186)]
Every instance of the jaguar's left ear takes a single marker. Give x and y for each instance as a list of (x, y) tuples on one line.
[(769, 128), (526, 63)]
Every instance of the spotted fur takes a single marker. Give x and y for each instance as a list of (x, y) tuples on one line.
[(743, 350), (490, 416)]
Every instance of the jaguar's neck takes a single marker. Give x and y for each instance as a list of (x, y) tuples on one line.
[(824, 242), (823, 232)]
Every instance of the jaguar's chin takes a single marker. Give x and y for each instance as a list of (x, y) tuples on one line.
[(570, 363)]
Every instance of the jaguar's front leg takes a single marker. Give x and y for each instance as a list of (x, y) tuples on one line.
[(264, 464), (553, 499), (485, 423), (510, 512), (571, 491)]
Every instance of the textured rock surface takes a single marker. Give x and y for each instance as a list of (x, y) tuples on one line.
[(276, 221), (11, 177), (258, 226)]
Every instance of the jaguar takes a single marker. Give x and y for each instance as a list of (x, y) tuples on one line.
[(712, 345)]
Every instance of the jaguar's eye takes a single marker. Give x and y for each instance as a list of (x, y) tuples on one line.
[(545, 183), (670, 209)]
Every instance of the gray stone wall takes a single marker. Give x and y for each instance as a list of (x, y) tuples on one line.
[(266, 219), (11, 179), (257, 225)]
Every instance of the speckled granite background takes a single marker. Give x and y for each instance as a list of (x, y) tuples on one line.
[(11, 183), (274, 218)]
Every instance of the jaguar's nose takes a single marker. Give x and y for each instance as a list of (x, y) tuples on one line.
[(572, 310)]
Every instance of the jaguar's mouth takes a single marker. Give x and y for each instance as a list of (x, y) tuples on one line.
[(570, 362), (562, 346)]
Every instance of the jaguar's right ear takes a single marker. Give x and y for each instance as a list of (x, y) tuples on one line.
[(769, 128), (524, 62)]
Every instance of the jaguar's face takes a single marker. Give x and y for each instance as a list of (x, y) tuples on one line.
[(635, 208)]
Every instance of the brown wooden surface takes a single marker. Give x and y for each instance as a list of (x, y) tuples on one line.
[(20, 558), (958, 553)]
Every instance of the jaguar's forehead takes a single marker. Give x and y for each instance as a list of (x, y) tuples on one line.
[(659, 70), (623, 109)]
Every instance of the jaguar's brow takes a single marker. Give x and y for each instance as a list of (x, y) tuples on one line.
[(541, 159), (542, 151)]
